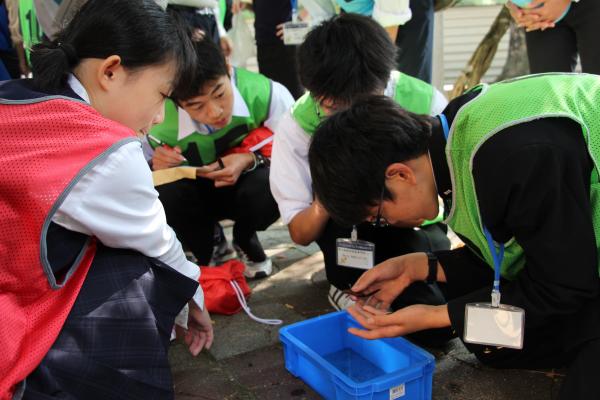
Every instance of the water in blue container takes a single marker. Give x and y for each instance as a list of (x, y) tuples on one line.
[(341, 366), (354, 366), (526, 3)]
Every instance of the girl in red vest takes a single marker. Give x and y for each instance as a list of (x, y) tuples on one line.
[(91, 276)]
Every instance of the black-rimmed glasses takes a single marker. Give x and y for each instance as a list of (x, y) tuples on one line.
[(380, 221)]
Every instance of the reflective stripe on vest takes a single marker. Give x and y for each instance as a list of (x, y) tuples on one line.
[(49, 143)]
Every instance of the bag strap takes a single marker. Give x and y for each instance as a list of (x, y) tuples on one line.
[(240, 295)]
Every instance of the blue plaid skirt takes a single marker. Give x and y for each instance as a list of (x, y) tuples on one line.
[(115, 341)]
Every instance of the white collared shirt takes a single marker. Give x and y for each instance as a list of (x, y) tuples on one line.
[(289, 178), (122, 209)]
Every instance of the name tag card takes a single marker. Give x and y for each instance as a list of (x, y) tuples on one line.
[(294, 32), (355, 253), (502, 326)]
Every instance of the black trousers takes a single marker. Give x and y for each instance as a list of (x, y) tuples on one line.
[(194, 206), (415, 41), (556, 49), (278, 62), (389, 242), (552, 345)]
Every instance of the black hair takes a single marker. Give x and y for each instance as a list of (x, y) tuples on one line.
[(352, 149), (346, 56), (138, 31), (211, 65)]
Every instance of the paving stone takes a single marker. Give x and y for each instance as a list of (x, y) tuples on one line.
[(454, 379), (238, 334), (289, 256), (263, 372), (198, 377), (297, 278)]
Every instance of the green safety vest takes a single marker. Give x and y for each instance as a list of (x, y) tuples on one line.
[(254, 88), (30, 27), (222, 11), (410, 93), (503, 105)]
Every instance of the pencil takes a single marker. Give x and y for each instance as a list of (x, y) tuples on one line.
[(156, 140)]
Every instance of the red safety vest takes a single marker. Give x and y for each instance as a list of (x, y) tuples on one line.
[(46, 146)]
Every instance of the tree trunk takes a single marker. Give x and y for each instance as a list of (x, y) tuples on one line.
[(484, 54), (517, 63)]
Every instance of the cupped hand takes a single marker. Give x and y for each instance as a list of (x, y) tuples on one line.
[(380, 324)]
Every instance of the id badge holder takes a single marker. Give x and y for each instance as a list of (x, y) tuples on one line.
[(294, 32), (502, 326), (355, 253), (494, 323)]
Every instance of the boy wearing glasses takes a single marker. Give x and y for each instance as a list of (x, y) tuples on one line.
[(516, 164), (342, 59)]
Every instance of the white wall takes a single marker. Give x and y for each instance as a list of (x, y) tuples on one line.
[(458, 31)]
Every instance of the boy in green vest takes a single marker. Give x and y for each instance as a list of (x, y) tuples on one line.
[(222, 124), (516, 164), (340, 60)]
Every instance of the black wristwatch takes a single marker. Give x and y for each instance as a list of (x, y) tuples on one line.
[(433, 267)]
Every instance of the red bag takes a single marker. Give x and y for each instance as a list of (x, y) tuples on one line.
[(219, 295), (260, 138)]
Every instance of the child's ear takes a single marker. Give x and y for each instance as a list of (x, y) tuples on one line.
[(108, 70), (400, 172), (229, 68)]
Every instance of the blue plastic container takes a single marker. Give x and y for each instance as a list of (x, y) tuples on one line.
[(339, 365)]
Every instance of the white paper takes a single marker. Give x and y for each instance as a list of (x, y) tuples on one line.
[(355, 254), (501, 326)]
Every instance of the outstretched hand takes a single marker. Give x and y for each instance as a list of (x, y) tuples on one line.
[(382, 324)]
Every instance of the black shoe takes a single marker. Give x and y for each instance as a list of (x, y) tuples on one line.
[(258, 265), (222, 250)]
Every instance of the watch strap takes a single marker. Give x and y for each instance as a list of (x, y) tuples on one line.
[(432, 261)]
